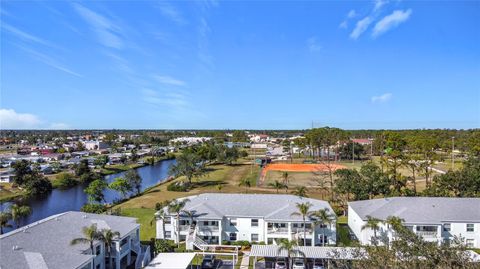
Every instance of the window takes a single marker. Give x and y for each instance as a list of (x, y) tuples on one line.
[(470, 243), (205, 223), (446, 227), (233, 222), (254, 238), (470, 227), (168, 234), (168, 221), (270, 241), (98, 266), (97, 250), (254, 223), (233, 237)]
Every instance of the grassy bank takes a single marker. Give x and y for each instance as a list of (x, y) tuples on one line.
[(7, 192), (144, 216)]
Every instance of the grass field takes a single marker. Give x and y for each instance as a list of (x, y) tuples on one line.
[(144, 216), (7, 192)]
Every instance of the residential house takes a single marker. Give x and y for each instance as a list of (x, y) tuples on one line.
[(47, 244), (7, 175), (219, 217), (436, 219)]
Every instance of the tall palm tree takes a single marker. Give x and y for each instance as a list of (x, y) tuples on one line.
[(300, 191), (323, 217), (304, 212), (91, 234), (245, 183), (374, 224), (286, 177), (276, 185), (18, 212), (4, 218), (176, 207), (160, 215), (395, 223), (108, 237), (292, 249)]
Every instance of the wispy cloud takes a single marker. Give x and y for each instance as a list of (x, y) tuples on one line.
[(26, 36), (313, 44), (49, 61), (59, 126), (382, 98), (174, 100), (390, 21), (107, 32), (169, 80), (351, 14), (343, 25), (171, 12), (379, 4), (360, 27)]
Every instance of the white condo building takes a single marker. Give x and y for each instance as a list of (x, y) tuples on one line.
[(436, 219), (265, 218), (47, 244)]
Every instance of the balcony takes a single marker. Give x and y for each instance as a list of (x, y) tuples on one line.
[(209, 228), (300, 230), (275, 230), (427, 234), (184, 228)]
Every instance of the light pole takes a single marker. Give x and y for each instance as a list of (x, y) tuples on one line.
[(453, 156)]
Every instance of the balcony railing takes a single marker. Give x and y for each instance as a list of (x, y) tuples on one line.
[(208, 228), (300, 230), (427, 233), (184, 227), (277, 230)]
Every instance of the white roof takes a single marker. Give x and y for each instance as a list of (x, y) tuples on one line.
[(174, 260), (334, 253)]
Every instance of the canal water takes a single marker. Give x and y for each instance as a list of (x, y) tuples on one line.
[(59, 201)]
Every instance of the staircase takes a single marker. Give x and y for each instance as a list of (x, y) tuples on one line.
[(194, 241), (143, 257)]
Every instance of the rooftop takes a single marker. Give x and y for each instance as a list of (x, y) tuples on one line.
[(420, 209), (46, 243), (267, 206)]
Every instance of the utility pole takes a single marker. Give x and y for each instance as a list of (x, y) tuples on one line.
[(453, 156)]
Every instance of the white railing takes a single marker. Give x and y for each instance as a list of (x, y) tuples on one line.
[(427, 233), (300, 230), (208, 228), (277, 230)]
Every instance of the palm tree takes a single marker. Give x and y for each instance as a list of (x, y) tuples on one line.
[(246, 183), (285, 177), (91, 235), (108, 237), (300, 191), (395, 223), (4, 218), (19, 212), (277, 185), (176, 207), (304, 212), (162, 215), (291, 247), (374, 224), (189, 214), (323, 217)]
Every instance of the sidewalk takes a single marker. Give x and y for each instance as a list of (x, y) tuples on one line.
[(245, 260)]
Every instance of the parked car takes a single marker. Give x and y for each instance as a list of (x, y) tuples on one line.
[(298, 264), (208, 262), (318, 265), (281, 263)]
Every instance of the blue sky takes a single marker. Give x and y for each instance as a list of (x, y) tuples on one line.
[(240, 64)]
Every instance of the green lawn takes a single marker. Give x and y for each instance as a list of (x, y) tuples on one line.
[(144, 216)]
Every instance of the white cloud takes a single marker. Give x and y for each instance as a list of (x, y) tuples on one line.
[(351, 14), (382, 98), (59, 126), (343, 25), (169, 80), (9, 119), (360, 27), (26, 36), (390, 21), (171, 12), (107, 32), (174, 100), (313, 44), (379, 4), (49, 61)]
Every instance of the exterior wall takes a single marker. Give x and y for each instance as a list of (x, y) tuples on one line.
[(458, 229)]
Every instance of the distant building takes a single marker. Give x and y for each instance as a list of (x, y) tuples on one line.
[(46, 244), (362, 141), (94, 145), (6, 176), (436, 219)]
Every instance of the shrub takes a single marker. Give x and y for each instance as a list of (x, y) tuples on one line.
[(242, 243), (64, 181), (93, 208), (178, 186), (162, 245)]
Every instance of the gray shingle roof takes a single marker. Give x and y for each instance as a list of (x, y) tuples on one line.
[(434, 210), (46, 243), (267, 206)]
